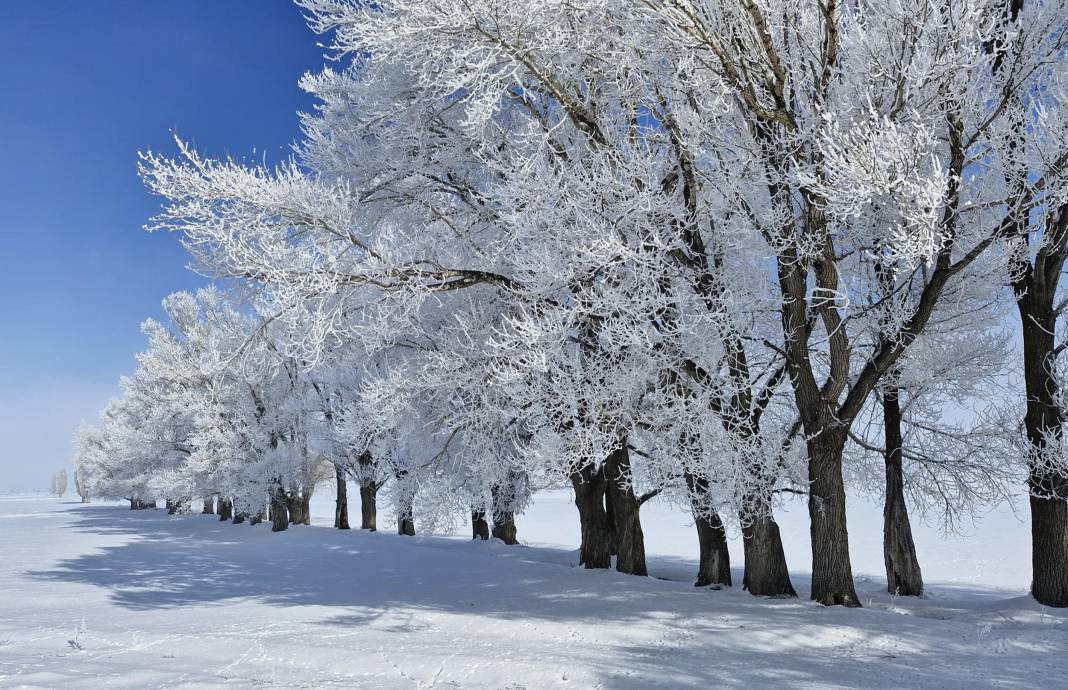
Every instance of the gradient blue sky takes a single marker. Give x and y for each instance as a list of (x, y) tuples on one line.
[(86, 85)]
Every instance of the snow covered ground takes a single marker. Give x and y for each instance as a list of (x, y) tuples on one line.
[(101, 597)]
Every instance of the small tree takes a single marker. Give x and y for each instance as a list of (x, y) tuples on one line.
[(59, 482), (80, 485)]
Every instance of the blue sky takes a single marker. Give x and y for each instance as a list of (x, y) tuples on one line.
[(86, 85)]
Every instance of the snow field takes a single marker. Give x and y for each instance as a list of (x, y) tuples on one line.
[(98, 596)]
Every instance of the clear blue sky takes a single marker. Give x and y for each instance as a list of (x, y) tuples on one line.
[(86, 85)]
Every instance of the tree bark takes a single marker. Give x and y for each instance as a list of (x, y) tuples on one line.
[(239, 517), (209, 506), (341, 503), (369, 507), (1049, 544), (832, 573), (715, 564), (226, 509), (626, 513), (589, 486), (296, 508), (503, 515), (610, 516), (504, 527), (405, 517), (172, 506), (766, 574), (305, 506), (279, 511), (1042, 421), (903, 575), (479, 526)]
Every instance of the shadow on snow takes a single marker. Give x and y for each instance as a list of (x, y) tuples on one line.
[(385, 581)]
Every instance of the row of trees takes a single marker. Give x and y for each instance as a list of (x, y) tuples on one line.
[(57, 484), (714, 251)]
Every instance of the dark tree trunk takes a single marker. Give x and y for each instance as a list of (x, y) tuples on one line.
[(832, 573), (899, 551), (406, 517), (610, 516), (296, 508), (503, 516), (1049, 546), (626, 513), (369, 506), (172, 506), (133, 504), (589, 488), (305, 507), (1047, 488), (239, 517), (479, 526), (226, 509), (341, 503), (258, 517), (715, 563), (279, 511), (504, 527), (766, 573), (209, 506)]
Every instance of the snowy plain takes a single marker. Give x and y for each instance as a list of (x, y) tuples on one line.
[(97, 596)]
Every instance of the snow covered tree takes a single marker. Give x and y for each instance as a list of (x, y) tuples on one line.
[(58, 482), (698, 250)]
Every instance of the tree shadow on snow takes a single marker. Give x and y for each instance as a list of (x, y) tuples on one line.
[(721, 638)]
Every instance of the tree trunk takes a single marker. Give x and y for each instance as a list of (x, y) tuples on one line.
[(899, 552), (479, 526), (589, 486), (1049, 546), (279, 511), (296, 508), (610, 516), (715, 560), (172, 506), (239, 517), (1042, 421), (626, 513), (209, 506), (305, 506), (258, 517), (766, 573), (504, 527), (715, 563), (832, 574), (226, 509), (405, 517), (369, 506), (503, 516), (341, 503)]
